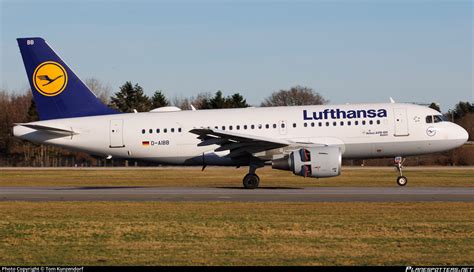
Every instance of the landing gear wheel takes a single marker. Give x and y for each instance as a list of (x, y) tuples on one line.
[(402, 180), (251, 181)]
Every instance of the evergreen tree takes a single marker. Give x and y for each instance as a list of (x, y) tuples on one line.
[(32, 114), (236, 101), (434, 106), (462, 108), (159, 100), (218, 101), (129, 98)]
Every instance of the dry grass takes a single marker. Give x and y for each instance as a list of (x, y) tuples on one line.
[(215, 176), (147, 233)]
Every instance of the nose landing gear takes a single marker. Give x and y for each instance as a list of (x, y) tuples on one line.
[(401, 180)]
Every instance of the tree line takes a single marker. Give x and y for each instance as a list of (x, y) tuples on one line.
[(20, 108)]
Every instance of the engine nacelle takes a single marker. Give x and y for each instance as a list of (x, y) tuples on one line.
[(317, 162)]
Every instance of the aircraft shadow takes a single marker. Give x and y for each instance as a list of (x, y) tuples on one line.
[(102, 187), (260, 188)]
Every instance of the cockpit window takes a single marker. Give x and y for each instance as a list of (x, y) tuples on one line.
[(439, 118), (435, 118)]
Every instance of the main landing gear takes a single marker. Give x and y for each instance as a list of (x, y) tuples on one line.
[(401, 180), (251, 180)]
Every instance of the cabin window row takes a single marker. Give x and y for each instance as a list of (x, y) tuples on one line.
[(245, 127), (164, 130), (341, 123)]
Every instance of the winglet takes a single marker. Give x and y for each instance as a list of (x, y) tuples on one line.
[(192, 107), (391, 100)]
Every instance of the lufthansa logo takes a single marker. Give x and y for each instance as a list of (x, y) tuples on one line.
[(50, 78), (431, 131)]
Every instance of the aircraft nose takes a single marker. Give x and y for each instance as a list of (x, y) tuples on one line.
[(459, 134), (463, 134)]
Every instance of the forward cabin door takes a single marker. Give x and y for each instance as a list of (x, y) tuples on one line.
[(401, 122), (116, 133)]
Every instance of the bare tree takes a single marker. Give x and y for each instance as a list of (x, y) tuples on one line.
[(101, 90), (295, 96), (181, 102)]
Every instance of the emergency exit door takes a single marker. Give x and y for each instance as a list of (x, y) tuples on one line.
[(401, 122), (116, 134)]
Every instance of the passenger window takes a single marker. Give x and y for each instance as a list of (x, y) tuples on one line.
[(305, 125), (356, 123), (245, 126), (143, 131), (165, 130), (274, 125), (327, 124), (260, 126), (320, 124), (294, 125), (151, 131), (363, 122), (348, 123), (371, 122), (334, 123), (252, 126), (378, 122), (157, 130), (267, 126), (282, 125), (342, 123), (179, 129), (312, 124), (230, 127), (223, 127), (429, 119), (237, 127)]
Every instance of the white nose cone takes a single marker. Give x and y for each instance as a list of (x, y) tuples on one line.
[(464, 135)]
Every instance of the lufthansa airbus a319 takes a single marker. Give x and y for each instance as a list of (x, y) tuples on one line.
[(310, 141)]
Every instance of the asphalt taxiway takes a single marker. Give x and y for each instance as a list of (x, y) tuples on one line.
[(285, 194)]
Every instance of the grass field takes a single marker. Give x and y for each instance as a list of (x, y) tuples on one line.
[(157, 233), (221, 177), (234, 233)]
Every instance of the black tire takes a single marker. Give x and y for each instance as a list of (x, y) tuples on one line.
[(402, 180), (251, 181)]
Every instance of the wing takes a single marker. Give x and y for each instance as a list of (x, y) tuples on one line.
[(238, 144)]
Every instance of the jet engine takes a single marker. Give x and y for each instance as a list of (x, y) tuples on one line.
[(317, 162)]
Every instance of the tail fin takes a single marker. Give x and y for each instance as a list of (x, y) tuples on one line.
[(57, 91)]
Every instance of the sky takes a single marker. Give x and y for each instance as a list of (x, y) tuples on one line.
[(348, 51)]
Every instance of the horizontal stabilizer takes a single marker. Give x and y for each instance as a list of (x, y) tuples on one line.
[(52, 129)]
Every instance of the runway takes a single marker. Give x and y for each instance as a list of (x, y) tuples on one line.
[(321, 194)]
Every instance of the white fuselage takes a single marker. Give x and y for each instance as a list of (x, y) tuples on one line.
[(164, 136)]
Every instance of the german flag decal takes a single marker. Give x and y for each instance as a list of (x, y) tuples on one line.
[(145, 143)]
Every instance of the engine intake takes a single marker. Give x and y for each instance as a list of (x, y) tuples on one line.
[(317, 162)]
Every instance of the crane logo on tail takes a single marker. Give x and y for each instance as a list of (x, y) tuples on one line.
[(50, 78)]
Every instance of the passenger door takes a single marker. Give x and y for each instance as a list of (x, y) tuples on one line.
[(116, 134), (401, 122)]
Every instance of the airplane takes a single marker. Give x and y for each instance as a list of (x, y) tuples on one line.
[(309, 141)]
